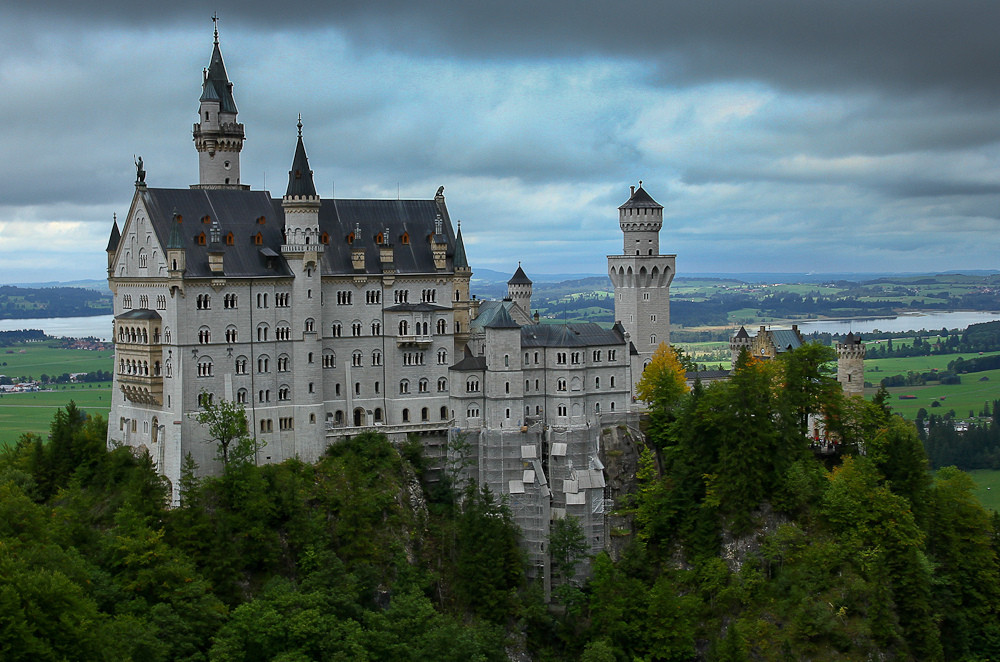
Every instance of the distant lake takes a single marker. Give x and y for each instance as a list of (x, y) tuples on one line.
[(98, 326), (930, 321)]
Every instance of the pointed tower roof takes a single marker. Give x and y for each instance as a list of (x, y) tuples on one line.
[(742, 333), (503, 320), (116, 237), (640, 198), (519, 277), (461, 261), (300, 179), (175, 241), (217, 86)]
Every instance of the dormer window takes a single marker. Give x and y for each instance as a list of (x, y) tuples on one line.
[(206, 219), (261, 220), (406, 238), (379, 239), (258, 239), (324, 238), (350, 238), (201, 239), (229, 239)]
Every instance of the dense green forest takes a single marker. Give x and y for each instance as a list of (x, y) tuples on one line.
[(33, 303), (746, 543)]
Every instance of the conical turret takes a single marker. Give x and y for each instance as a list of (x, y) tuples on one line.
[(301, 204), (218, 137)]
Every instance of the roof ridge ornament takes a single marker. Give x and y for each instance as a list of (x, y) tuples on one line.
[(215, 19), (299, 125)]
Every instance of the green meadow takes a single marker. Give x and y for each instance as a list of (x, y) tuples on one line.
[(32, 412), (971, 394), (988, 481)]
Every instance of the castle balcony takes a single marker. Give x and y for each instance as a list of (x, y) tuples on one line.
[(141, 389), (334, 430), (414, 341), (302, 248)]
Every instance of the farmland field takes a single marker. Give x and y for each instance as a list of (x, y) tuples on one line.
[(988, 481), (971, 394), (32, 412)]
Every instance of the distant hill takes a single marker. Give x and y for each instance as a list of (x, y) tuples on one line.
[(98, 285), (39, 302)]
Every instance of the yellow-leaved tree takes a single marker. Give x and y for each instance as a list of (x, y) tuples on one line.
[(662, 382)]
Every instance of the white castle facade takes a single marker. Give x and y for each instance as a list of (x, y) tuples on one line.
[(330, 317)]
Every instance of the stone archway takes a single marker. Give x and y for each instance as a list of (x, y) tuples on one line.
[(359, 417)]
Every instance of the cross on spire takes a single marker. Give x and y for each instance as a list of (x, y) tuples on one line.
[(300, 125), (215, 19)]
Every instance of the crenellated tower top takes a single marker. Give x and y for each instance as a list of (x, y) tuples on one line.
[(218, 137)]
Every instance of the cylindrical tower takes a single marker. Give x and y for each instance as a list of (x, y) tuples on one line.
[(851, 365)]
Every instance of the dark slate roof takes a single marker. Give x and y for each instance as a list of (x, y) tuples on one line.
[(300, 177), (139, 314), (742, 333), (236, 211), (502, 320), (116, 237), (217, 86), (488, 310), (414, 308), (470, 363), (852, 339), (461, 261), (573, 334), (708, 374), (641, 199), (519, 277), (785, 340), (415, 218)]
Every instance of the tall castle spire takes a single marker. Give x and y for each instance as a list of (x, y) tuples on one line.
[(301, 204), (218, 137)]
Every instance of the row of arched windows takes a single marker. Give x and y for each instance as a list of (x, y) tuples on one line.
[(137, 368), (137, 335)]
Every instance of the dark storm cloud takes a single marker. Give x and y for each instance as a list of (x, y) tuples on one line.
[(816, 44)]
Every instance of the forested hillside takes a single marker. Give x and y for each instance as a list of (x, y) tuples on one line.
[(34, 303), (744, 544)]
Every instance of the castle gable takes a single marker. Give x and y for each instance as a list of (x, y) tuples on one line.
[(238, 212), (139, 251)]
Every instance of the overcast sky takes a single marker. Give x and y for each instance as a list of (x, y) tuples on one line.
[(780, 135)]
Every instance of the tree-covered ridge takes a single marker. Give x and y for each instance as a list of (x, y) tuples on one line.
[(340, 560), (747, 543), (32, 303)]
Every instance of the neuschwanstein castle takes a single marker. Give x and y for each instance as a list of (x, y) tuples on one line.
[(330, 317)]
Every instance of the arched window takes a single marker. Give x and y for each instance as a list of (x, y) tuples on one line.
[(377, 357), (241, 396), (376, 328), (424, 414), (422, 386), (262, 364), (404, 386), (472, 385), (204, 367), (204, 335), (404, 328), (444, 413), (329, 359), (356, 358), (442, 326), (442, 384), (442, 357), (406, 415)]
